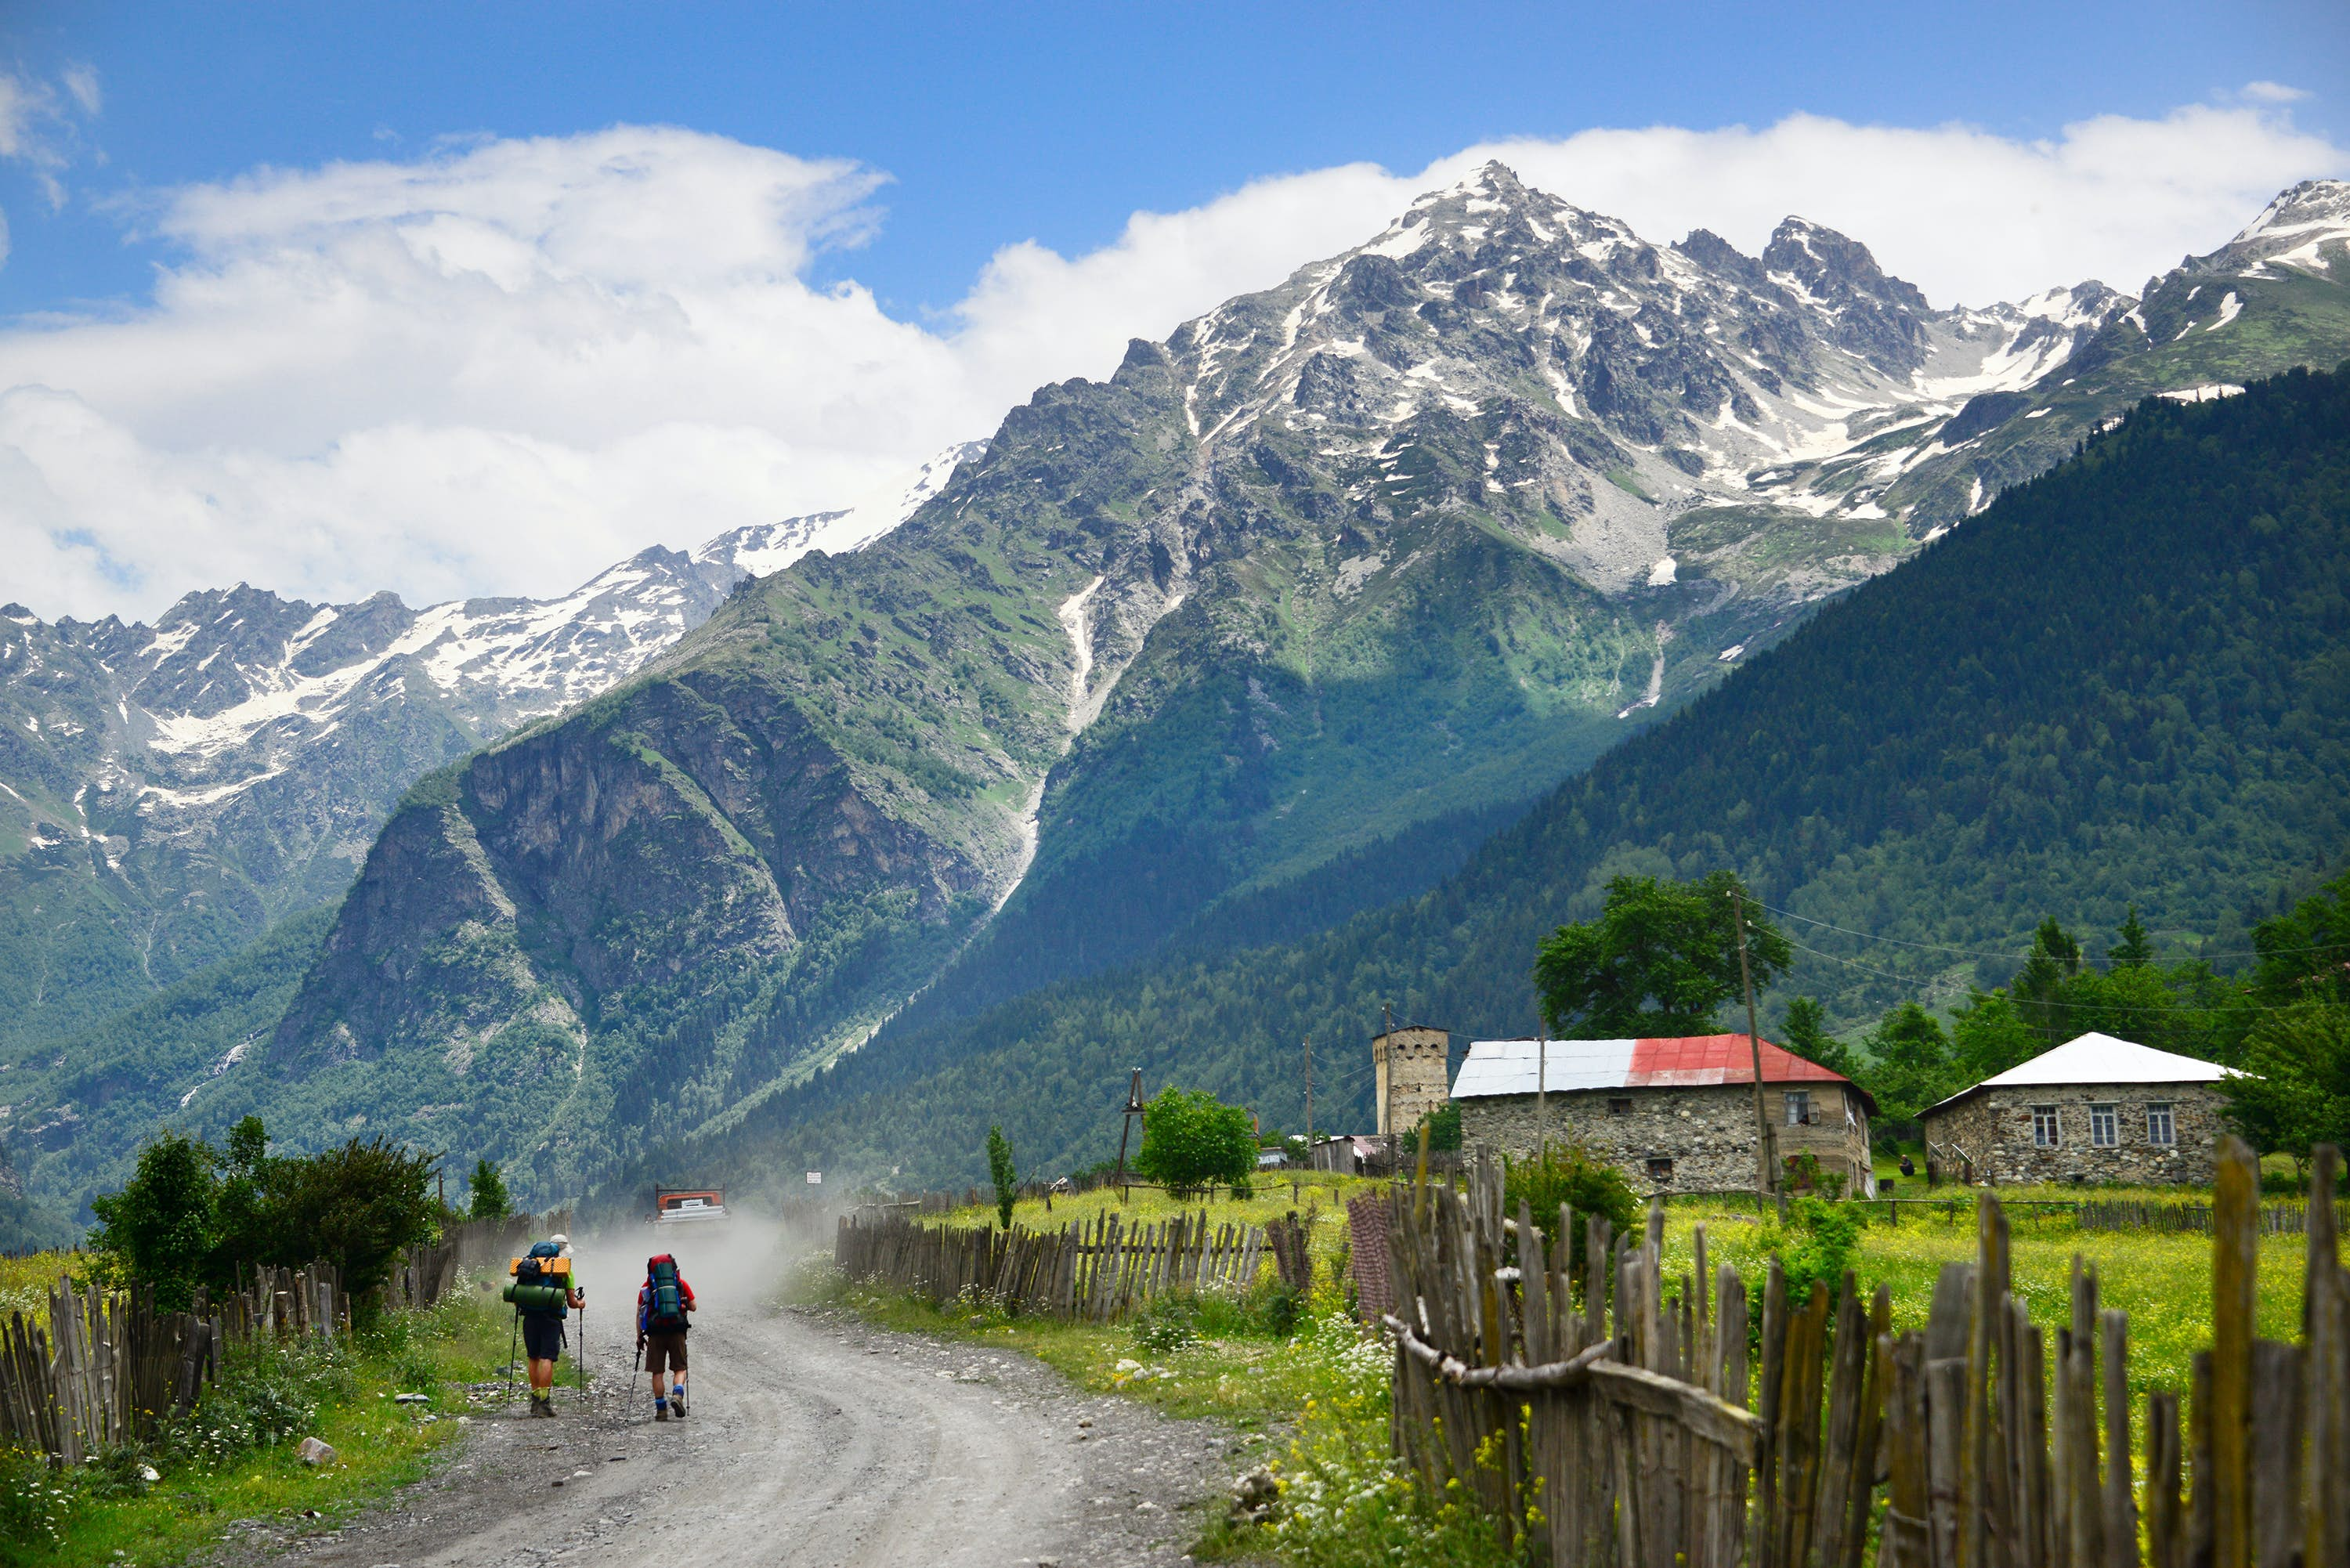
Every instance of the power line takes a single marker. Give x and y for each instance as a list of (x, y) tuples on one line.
[(1997, 953), (2100, 1006)]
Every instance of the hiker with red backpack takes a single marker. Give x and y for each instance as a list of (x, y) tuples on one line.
[(663, 1304)]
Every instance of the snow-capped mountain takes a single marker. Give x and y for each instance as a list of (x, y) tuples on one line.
[(230, 763)]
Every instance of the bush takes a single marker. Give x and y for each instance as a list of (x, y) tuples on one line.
[(1569, 1173), (161, 1226), (267, 1395), (488, 1190), (1192, 1142), (1001, 1171), (34, 1501), (1818, 1242)]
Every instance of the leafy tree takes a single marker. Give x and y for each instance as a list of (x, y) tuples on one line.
[(160, 1228), (1568, 1173), (1000, 1170), (488, 1190), (2039, 988), (355, 1207), (1805, 1033), (1988, 1035), (1191, 1142), (1443, 1126), (2306, 953), (1662, 959), (2296, 1095), (1913, 1064)]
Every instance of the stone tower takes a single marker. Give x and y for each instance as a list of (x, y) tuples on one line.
[(1413, 1079)]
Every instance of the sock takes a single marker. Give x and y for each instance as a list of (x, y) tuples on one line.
[(659, 1403), (678, 1392)]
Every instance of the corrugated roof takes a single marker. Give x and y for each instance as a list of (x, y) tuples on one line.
[(1512, 1066), (2095, 1058)]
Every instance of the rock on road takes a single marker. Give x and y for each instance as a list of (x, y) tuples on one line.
[(813, 1441)]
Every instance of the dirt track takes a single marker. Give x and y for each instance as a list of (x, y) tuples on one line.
[(813, 1441)]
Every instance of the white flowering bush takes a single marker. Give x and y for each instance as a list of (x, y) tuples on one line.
[(34, 1503)]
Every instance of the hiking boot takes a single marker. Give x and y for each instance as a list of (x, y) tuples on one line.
[(677, 1405), (660, 1412), (544, 1407)]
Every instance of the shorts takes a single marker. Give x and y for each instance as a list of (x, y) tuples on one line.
[(542, 1336), (661, 1348)]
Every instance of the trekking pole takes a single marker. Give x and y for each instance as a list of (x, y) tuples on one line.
[(513, 1340)]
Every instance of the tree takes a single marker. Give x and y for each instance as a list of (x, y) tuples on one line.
[(1805, 1033), (160, 1229), (1662, 959), (1191, 1142), (355, 1207), (1913, 1065), (2296, 1093), (1443, 1126), (2039, 986), (2307, 951), (2132, 947), (1987, 1036), (998, 1167), (489, 1192)]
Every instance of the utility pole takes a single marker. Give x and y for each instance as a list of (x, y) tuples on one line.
[(1387, 1082), (1309, 1099), (1126, 1128), (1542, 1087), (1769, 1166)]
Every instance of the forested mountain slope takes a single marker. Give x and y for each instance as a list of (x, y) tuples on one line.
[(2126, 682)]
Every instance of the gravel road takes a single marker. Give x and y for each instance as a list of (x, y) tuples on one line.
[(813, 1441)]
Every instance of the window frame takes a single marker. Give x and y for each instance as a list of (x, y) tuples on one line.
[(1665, 1175), (2047, 1126), (2106, 1119), (2167, 1111), (1619, 1105), (1797, 1104)]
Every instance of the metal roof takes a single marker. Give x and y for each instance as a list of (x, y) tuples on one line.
[(2098, 1059), (1514, 1067)]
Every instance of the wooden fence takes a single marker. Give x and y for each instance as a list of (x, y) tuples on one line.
[(2099, 1214), (1632, 1432), (110, 1367), (1097, 1270)]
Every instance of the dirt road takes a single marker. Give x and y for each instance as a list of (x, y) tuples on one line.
[(813, 1441)]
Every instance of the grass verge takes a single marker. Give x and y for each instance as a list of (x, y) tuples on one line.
[(233, 1457)]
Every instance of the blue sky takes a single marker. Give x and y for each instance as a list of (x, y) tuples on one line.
[(464, 299), (1054, 123)]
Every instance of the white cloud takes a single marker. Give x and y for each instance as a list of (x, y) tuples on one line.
[(498, 367), (39, 129), (2274, 92)]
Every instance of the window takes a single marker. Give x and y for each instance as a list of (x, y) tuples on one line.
[(2105, 1131), (1660, 1169), (1620, 1106), (2043, 1126), (1799, 1107), (2158, 1128)]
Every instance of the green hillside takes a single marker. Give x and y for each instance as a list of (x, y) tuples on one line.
[(2127, 683)]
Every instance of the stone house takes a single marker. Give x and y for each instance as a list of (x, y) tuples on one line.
[(1410, 1065), (1675, 1115), (2093, 1109)]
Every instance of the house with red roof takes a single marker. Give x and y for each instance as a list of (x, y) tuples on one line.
[(1676, 1115)]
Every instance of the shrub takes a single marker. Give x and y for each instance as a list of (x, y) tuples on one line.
[(489, 1192), (1818, 1242), (34, 1503), (1191, 1142), (161, 1226), (1001, 1171), (1568, 1173)]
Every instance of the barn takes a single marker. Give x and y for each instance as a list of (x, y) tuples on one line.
[(1675, 1114), (2096, 1108)]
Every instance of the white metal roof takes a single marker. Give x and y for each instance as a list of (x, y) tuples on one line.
[(2101, 1059), (1511, 1066)]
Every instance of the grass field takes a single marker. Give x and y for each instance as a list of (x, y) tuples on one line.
[(212, 1470), (1316, 1401)]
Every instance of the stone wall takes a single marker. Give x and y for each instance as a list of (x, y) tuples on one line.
[(1707, 1132), (1413, 1076), (1988, 1137)]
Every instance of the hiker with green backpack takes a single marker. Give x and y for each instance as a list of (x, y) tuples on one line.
[(543, 1294), (663, 1304)]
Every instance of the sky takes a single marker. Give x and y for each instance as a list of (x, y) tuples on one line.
[(473, 299)]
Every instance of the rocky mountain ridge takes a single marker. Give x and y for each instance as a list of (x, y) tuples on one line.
[(171, 788), (1351, 562)]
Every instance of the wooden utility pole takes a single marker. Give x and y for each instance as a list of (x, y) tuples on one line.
[(1387, 1081), (1126, 1127), (1769, 1167), (1309, 1099)]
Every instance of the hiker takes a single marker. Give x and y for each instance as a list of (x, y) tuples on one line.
[(661, 1323), (542, 1326)]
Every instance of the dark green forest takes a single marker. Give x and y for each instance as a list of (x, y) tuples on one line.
[(2126, 686)]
